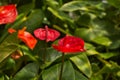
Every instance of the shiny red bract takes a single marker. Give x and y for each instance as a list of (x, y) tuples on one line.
[(46, 34), (8, 14), (27, 38), (70, 44)]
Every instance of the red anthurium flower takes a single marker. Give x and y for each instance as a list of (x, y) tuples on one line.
[(11, 30), (70, 44), (46, 34), (8, 14), (27, 38)]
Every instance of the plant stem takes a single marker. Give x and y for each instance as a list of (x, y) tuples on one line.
[(44, 55), (103, 61), (60, 29), (46, 36), (60, 77)]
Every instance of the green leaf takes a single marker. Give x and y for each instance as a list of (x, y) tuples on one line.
[(81, 5), (26, 51), (52, 55), (61, 15), (79, 76), (115, 3), (8, 46), (52, 3), (28, 72), (1, 77), (90, 49), (91, 52), (84, 19), (82, 63), (52, 73), (96, 28), (118, 73), (108, 55), (4, 77), (115, 67), (89, 46), (34, 20), (102, 40), (115, 44), (73, 5), (26, 8), (86, 34), (7, 64), (112, 68), (46, 54), (95, 69)]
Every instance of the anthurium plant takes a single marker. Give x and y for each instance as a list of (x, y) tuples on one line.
[(59, 40)]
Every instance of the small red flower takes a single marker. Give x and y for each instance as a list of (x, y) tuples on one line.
[(46, 34), (70, 44), (27, 38), (11, 30), (8, 14)]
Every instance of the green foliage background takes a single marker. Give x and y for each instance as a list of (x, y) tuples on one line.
[(95, 21)]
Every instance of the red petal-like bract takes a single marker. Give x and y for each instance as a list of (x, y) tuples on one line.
[(46, 34), (11, 30), (70, 44), (27, 38), (8, 14)]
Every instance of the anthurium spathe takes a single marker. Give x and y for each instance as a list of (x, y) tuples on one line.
[(8, 14), (70, 44), (27, 38), (46, 34)]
